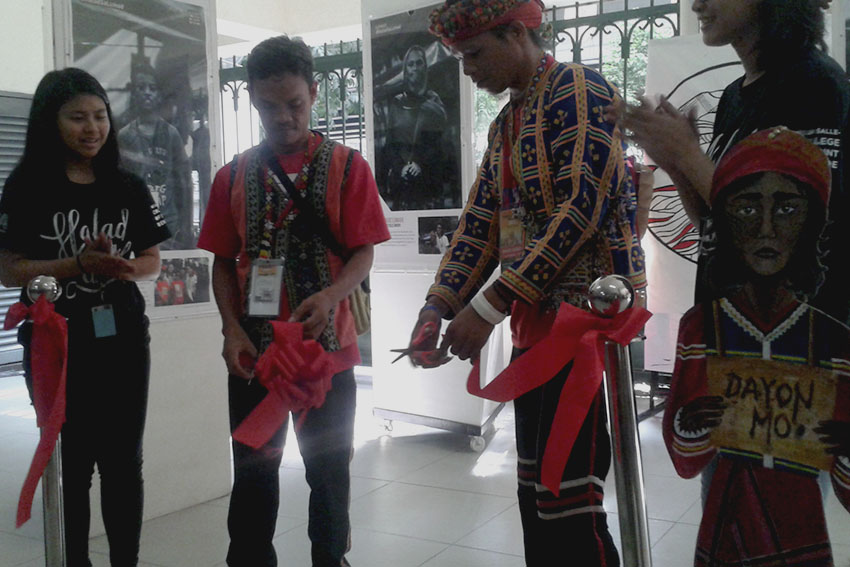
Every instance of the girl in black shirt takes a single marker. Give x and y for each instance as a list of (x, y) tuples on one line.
[(69, 211)]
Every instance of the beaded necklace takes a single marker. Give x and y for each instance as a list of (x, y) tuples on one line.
[(274, 185)]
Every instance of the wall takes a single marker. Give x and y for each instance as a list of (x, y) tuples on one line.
[(294, 18), (25, 41)]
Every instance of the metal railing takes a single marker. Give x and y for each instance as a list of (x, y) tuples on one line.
[(612, 36), (609, 35)]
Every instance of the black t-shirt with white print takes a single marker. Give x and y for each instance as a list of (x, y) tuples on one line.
[(46, 223), (811, 96)]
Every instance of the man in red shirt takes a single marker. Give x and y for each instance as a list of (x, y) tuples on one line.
[(291, 259)]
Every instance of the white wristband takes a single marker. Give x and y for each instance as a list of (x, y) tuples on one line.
[(485, 309)]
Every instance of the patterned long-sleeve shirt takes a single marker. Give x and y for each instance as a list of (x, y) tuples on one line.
[(558, 167)]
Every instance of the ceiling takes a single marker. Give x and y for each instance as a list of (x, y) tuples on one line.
[(241, 21)]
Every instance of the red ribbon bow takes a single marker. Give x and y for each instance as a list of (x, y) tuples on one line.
[(297, 374), (49, 365), (576, 335)]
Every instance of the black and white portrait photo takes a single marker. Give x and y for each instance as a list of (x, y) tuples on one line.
[(417, 115), (151, 57)]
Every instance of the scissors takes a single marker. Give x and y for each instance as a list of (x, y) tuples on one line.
[(424, 358)]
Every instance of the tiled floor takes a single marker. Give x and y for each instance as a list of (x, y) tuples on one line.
[(420, 497)]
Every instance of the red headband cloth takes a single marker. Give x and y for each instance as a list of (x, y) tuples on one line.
[(468, 18), (778, 150)]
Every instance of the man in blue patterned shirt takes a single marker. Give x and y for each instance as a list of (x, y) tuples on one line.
[(554, 206)]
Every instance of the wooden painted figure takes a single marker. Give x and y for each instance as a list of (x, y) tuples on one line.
[(761, 377)]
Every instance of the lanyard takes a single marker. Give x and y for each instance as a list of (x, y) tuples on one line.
[(272, 185)]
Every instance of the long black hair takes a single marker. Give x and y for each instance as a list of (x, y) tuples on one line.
[(44, 152), (788, 28)]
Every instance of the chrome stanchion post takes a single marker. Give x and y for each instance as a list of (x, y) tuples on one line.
[(54, 524), (609, 296), (51, 479)]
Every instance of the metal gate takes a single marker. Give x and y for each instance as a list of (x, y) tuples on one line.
[(609, 35)]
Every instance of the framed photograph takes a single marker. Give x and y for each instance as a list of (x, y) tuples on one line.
[(435, 234), (416, 94), (152, 57)]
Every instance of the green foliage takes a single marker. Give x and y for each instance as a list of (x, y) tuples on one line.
[(330, 96), (629, 73), (487, 107)]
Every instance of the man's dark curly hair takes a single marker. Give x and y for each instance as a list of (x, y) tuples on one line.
[(277, 56)]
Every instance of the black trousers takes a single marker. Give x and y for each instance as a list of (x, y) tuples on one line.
[(107, 396), (326, 442), (571, 529)]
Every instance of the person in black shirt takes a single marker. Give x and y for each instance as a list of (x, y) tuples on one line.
[(68, 211), (788, 81)]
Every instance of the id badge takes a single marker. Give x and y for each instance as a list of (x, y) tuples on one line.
[(511, 237), (103, 318), (266, 282)]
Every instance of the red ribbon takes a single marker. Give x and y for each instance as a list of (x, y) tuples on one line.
[(49, 364), (575, 335), (297, 374)]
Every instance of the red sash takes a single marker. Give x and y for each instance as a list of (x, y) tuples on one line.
[(49, 363), (576, 336)]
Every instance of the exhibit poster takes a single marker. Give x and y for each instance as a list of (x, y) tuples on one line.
[(152, 58), (416, 109)]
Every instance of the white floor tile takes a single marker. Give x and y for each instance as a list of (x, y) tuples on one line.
[(17, 549), (393, 457), (195, 536), (10, 490), (428, 513), (490, 472), (841, 555), (676, 547), (465, 557), (657, 530), (293, 547), (669, 498), (378, 549), (838, 521), (102, 560), (294, 493), (656, 460), (694, 514), (502, 534), (16, 453), (38, 562)]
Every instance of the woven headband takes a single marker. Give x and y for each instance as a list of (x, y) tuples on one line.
[(468, 18), (778, 150)]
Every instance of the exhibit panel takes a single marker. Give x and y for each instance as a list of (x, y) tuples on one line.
[(435, 397), (419, 125)]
